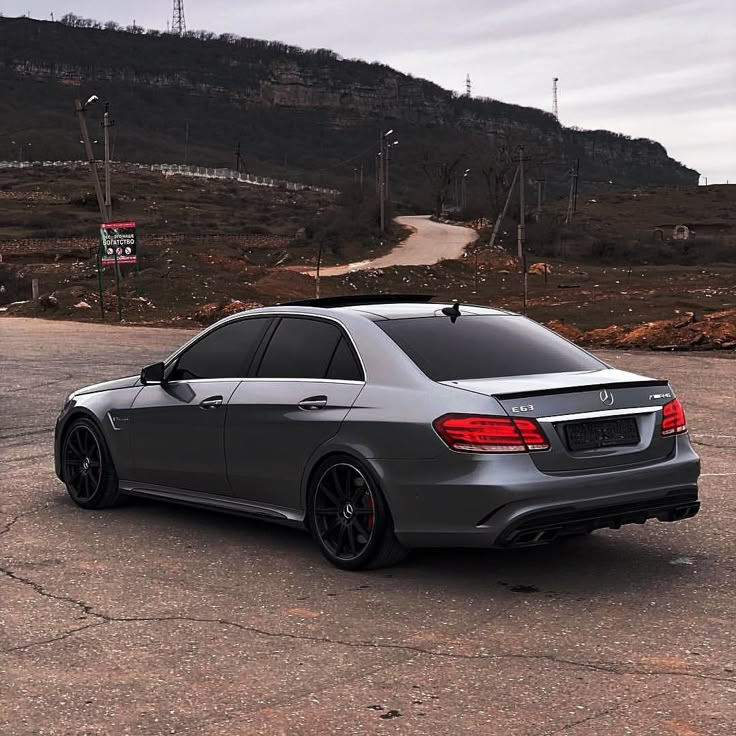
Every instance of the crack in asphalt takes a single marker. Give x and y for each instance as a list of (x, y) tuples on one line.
[(44, 384), (25, 459), (87, 609), (15, 519), (718, 447), (606, 711), (53, 639), (38, 588), (29, 433)]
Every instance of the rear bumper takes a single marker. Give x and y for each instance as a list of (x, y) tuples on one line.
[(505, 501), (538, 527)]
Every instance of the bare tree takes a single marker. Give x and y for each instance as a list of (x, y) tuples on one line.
[(440, 171)]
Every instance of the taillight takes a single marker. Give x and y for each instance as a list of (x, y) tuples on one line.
[(673, 418), (472, 433)]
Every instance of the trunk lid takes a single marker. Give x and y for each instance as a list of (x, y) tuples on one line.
[(593, 419)]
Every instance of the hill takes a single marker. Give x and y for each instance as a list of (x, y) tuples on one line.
[(306, 115)]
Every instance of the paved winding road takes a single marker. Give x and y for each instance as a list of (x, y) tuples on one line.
[(430, 242)]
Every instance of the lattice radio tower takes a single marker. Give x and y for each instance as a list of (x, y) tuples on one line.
[(468, 86), (554, 97), (178, 24)]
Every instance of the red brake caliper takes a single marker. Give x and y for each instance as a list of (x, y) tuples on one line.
[(372, 517)]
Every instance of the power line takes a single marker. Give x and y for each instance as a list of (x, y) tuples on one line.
[(347, 160)]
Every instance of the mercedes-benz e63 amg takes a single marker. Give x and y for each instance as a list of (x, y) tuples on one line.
[(382, 423)]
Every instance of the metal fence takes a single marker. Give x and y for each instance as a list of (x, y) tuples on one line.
[(181, 170)]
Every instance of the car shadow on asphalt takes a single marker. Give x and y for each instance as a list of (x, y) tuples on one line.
[(632, 559)]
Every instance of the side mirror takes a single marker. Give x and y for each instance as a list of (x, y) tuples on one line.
[(153, 374)]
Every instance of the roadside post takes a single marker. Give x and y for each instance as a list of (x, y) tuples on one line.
[(475, 270), (99, 283), (117, 287), (137, 276), (319, 263), (118, 245)]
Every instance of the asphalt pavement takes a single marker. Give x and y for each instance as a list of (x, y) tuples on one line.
[(155, 619)]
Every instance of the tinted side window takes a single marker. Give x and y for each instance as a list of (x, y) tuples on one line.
[(344, 365), (224, 353), (485, 347), (300, 348)]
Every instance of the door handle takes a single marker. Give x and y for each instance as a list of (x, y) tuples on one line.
[(313, 403), (211, 403)]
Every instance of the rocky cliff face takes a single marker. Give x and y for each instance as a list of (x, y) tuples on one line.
[(251, 75)]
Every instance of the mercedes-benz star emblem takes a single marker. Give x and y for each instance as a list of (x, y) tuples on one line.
[(606, 397)]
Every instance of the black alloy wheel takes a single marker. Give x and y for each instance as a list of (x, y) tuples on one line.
[(350, 519), (344, 511), (87, 467)]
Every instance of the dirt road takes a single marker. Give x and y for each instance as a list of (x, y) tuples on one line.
[(154, 619), (430, 242)]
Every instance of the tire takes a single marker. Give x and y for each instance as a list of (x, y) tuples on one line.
[(349, 517), (87, 467)]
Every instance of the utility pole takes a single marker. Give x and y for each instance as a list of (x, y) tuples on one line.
[(573, 194), (388, 168), (237, 158), (464, 191), (186, 145), (106, 125), (538, 213), (522, 225), (80, 110), (382, 189), (500, 219)]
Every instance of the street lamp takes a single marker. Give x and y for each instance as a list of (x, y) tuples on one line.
[(20, 149), (80, 109), (389, 146), (82, 142), (383, 173), (464, 184)]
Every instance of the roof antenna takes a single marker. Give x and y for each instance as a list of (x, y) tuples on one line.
[(452, 312)]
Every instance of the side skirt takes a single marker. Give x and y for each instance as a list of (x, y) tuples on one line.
[(227, 504)]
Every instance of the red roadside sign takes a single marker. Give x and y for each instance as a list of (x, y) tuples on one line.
[(118, 242)]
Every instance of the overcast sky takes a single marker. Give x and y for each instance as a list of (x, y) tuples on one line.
[(661, 69)]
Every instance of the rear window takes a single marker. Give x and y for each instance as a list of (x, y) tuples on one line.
[(484, 347)]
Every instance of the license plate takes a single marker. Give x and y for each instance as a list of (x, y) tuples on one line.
[(602, 433)]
